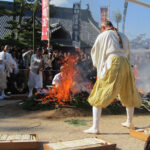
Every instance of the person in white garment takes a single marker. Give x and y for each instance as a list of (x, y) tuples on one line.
[(58, 78), (111, 57), (7, 64), (36, 72)]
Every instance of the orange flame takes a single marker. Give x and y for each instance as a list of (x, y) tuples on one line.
[(141, 91), (135, 70), (63, 92)]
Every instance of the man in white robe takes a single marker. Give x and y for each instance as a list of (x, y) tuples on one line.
[(110, 55), (7, 64), (36, 72)]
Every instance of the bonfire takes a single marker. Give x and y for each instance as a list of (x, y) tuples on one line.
[(71, 84)]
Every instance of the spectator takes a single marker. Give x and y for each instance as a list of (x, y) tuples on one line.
[(7, 64), (58, 77), (19, 83), (36, 69), (56, 63)]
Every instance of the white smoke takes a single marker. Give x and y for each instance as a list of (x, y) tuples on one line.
[(143, 83), (58, 2)]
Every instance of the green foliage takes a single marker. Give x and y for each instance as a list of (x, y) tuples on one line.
[(146, 104), (10, 41), (21, 29), (76, 122), (80, 100), (32, 104)]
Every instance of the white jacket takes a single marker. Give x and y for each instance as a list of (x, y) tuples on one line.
[(106, 45), (7, 63)]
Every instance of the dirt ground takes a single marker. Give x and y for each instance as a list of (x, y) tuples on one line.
[(51, 126)]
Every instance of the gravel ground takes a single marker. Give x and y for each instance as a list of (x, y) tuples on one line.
[(14, 120)]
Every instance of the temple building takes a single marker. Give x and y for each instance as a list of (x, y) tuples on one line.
[(68, 26)]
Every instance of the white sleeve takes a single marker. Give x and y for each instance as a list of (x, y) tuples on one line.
[(126, 46), (37, 60), (12, 62), (94, 54), (26, 53), (34, 60), (56, 80)]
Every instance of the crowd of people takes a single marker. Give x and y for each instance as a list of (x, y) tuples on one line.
[(37, 70)]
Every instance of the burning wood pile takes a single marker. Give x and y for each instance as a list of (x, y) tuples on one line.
[(141, 60), (70, 84), (73, 88)]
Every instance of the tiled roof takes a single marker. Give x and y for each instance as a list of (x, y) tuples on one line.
[(89, 29)]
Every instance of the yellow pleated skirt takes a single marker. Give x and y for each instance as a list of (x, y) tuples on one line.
[(118, 81)]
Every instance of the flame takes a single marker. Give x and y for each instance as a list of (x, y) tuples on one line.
[(135, 71), (141, 91), (63, 92)]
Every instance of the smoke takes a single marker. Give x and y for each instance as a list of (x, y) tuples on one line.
[(87, 75), (59, 2), (141, 58)]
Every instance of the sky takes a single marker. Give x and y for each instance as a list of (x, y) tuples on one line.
[(137, 20)]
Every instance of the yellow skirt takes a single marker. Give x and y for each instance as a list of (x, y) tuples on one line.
[(118, 81)]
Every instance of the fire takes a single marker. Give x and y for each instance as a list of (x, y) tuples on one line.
[(137, 78), (63, 92), (141, 91), (135, 70)]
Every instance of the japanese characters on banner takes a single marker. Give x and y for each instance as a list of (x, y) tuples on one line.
[(45, 20), (76, 25)]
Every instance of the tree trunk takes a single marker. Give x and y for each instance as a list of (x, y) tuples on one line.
[(22, 7), (34, 31), (14, 18), (35, 7)]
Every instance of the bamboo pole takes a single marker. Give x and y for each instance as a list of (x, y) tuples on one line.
[(140, 3)]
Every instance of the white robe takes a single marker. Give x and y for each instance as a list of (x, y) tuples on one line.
[(57, 79), (105, 47), (7, 64), (35, 79)]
